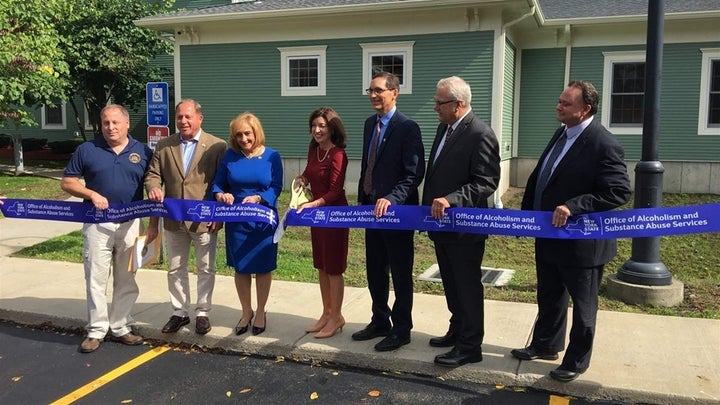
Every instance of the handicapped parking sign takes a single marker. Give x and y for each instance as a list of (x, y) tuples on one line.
[(158, 104)]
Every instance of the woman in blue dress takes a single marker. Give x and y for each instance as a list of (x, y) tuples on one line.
[(250, 172)]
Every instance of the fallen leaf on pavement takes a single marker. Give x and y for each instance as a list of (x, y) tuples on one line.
[(16, 379), (375, 393), (126, 401), (245, 390), (228, 394), (314, 395)]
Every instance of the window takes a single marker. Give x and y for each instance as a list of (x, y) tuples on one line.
[(87, 123), (53, 117), (393, 57), (303, 71), (623, 95), (709, 117)]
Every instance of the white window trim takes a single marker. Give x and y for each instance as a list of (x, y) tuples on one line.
[(389, 48), (62, 125), (610, 59), (708, 55), (306, 52), (86, 123)]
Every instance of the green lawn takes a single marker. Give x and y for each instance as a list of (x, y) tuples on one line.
[(692, 259)]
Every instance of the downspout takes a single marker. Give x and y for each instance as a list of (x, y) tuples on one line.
[(167, 37), (568, 52), (517, 20), (497, 201)]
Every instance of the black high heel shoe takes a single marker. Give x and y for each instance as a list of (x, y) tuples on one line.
[(239, 330), (257, 330)]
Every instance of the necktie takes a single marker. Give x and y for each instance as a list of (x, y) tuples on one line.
[(367, 180), (547, 170), (443, 143)]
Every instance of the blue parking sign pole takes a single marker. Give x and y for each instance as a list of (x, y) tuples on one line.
[(158, 115), (158, 104)]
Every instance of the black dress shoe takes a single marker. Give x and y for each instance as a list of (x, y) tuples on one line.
[(456, 358), (531, 353), (392, 342), (240, 329), (258, 330), (175, 323), (448, 340), (202, 325), (563, 375), (371, 332)]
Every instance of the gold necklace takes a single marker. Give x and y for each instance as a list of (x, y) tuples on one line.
[(253, 153), (318, 154)]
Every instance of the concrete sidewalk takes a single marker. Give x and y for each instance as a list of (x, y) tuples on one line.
[(637, 358)]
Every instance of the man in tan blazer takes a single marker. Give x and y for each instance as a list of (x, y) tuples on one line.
[(185, 163)]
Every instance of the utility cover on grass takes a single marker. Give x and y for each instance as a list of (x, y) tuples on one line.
[(491, 277)]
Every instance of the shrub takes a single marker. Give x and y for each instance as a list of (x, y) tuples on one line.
[(63, 147), (5, 140), (30, 144)]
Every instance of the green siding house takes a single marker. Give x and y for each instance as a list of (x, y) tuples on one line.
[(282, 59)]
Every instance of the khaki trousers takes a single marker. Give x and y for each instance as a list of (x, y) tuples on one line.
[(107, 249), (178, 245)]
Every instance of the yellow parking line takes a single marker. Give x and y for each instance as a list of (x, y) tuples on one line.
[(111, 375), (556, 400)]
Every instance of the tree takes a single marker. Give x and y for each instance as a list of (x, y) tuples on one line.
[(32, 67), (110, 58)]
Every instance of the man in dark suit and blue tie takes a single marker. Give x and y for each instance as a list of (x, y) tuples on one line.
[(393, 165), (463, 171), (582, 170)]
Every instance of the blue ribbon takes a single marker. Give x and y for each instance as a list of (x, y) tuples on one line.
[(632, 223), (179, 210)]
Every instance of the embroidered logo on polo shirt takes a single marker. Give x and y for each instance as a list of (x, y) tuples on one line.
[(134, 158)]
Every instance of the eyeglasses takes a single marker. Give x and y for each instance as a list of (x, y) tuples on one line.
[(439, 103), (376, 91)]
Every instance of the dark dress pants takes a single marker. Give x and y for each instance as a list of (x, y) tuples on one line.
[(390, 253), (461, 272), (556, 285)]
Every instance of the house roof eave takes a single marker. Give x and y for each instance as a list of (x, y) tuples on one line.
[(168, 21)]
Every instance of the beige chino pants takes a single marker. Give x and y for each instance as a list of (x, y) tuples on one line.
[(107, 249), (178, 245)]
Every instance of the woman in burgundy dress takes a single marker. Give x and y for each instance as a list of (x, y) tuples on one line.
[(325, 174)]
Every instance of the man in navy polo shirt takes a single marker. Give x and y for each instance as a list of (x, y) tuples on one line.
[(113, 168)]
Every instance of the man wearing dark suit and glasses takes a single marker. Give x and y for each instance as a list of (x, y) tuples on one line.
[(393, 165), (463, 171), (582, 170)]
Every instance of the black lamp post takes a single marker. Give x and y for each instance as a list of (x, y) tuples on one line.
[(644, 266)]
